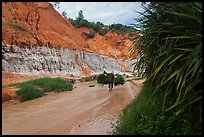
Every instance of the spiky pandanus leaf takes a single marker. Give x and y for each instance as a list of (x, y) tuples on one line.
[(170, 47)]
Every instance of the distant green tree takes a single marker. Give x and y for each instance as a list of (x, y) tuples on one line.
[(64, 14), (99, 27), (121, 29), (56, 4), (80, 15)]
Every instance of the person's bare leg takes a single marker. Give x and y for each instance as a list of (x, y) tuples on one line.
[(111, 86)]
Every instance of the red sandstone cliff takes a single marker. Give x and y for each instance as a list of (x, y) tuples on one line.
[(31, 23)]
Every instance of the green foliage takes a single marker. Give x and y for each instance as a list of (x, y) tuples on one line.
[(56, 4), (80, 15), (64, 14), (144, 116), (169, 52), (119, 80), (121, 29), (102, 79), (99, 27), (42, 85), (48, 84), (28, 92), (96, 27)]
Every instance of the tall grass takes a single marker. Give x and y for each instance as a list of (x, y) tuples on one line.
[(28, 92), (169, 50), (38, 87), (47, 84), (143, 116)]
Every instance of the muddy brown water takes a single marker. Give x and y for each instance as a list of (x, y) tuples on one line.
[(85, 110)]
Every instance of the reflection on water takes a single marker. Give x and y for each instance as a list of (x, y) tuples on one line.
[(58, 113)]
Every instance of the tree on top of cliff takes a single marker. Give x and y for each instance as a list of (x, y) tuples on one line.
[(80, 21), (98, 27), (64, 14), (80, 15), (121, 29), (56, 4)]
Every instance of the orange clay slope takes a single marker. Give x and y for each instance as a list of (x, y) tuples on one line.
[(38, 23)]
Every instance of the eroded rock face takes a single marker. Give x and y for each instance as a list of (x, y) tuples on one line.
[(43, 59), (36, 39), (38, 23)]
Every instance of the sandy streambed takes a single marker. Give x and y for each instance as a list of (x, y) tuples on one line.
[(85, 110)]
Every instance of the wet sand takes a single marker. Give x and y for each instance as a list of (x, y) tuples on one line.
[(85, 110)]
